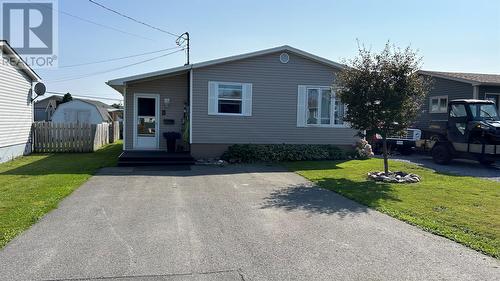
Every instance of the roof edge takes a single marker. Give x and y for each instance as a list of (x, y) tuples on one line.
[(463, 80), (117, 83), (24, 66), (97, 107)]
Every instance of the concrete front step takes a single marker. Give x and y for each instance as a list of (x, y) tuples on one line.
[(154, 158)]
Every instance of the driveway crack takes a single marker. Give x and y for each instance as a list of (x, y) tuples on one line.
[(238, 271)]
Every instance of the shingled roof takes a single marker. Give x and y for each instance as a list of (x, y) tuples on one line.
[(472, 78)]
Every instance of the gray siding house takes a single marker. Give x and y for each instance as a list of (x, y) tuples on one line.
[(278, 95), (16, 110), (447, 86)]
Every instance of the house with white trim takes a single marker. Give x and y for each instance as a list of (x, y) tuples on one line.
[(273, 96)]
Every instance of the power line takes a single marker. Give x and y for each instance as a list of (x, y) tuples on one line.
[(133, 19), (120, 58), (114, 69), (96, 23), (83, 96)]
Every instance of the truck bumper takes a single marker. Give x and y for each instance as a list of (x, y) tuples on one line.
[(492, 150)]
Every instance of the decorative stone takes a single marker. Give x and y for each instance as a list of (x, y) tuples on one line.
[(394, 177)]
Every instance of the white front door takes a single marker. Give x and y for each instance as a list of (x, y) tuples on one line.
[(146, 121)]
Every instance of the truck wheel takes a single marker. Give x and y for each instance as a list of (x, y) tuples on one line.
[(441, 154)]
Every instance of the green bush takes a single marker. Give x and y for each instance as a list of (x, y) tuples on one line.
[(247, 153)]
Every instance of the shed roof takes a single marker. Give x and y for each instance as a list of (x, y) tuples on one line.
[(101, 107)]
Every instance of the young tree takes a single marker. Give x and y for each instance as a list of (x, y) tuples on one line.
[(383, 91), (67, 97)]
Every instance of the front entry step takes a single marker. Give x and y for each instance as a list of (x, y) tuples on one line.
[(154, 158)]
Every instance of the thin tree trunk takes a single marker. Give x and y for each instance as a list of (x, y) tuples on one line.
[(386, 162)]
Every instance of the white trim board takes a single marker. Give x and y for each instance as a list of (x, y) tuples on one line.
[(191, 106), (125, 118), (6, 49)]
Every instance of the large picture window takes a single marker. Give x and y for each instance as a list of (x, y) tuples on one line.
[(320, 107), (229, 98)]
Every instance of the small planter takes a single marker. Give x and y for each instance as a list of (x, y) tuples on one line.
[(171, 138)]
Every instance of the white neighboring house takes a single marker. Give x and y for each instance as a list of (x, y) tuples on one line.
[(16, 111), (82, 112)]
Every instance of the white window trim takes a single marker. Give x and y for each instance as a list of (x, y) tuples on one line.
[(439, 102), (332, 108), (243, 102), (497, 94)]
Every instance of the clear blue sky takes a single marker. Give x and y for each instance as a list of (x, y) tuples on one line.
[(450, 35)]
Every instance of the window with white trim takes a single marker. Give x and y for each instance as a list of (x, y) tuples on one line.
[(319, 106), (438, 104), (229, 98)]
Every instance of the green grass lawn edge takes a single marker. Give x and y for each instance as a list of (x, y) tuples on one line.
[(33, 185), (463, 209)]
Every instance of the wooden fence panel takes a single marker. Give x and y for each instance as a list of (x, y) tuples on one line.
[(114, 131), (69, 137)]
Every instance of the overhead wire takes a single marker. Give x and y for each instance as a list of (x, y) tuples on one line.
[(119, 58), (133, 19), (114, 69), (94, 22)]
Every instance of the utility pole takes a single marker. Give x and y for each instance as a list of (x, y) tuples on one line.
[(185, 38)]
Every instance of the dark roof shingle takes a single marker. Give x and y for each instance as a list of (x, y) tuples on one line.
[(473, 78)]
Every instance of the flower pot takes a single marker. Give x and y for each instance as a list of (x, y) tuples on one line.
[(171, 140), (171, 145)]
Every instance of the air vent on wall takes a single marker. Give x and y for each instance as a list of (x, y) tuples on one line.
[(284, 58)]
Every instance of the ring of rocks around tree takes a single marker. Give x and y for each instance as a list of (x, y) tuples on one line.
[(394, 177)]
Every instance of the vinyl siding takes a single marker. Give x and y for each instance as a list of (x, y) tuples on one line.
[(442, 87), (274, 110), (175, 88), (16, 114), (488, 89)]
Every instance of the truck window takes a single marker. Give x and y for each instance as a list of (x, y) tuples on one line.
[(458, 110), (484, 111)]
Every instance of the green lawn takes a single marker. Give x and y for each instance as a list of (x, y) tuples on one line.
[(464, 209), (30, 186)]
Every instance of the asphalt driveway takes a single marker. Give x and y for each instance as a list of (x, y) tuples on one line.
[(232, 223)]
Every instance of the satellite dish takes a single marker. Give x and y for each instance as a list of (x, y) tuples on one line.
[(40, 89)]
